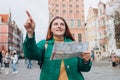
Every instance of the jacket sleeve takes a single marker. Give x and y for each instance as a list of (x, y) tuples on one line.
[(32, 50), (84, 66)]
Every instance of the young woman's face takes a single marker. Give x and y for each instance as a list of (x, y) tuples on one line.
[(58, 27)]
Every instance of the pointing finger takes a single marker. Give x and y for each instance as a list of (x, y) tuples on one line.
[(28, 14)]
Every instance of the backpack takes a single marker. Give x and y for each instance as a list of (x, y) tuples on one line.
[(41, 62)]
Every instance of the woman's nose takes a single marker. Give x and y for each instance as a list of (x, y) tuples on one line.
[(59, 25)]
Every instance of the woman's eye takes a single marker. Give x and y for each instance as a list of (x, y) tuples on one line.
[(55, 23), (62, 24)]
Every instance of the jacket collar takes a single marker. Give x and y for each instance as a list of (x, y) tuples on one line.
[(65, 40)]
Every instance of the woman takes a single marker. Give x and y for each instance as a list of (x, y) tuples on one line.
[(14, 59), (65, 69), (7, 62)]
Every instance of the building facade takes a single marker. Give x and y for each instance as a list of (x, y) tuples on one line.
[(4, 31), (113, 25), (11, 37), (73, 12), (102, 29), (92, 34)]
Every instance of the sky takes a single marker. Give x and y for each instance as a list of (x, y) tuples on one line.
[(39, 11)]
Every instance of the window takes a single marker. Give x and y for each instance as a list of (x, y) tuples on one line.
[(79, 38), (57, 5), (117, 41), (77, 6), (70, 11), (64, 11), (117, 21), (79, 23), (73, 35), (72, 23), (100, 12), (103, 21), (77, 11), (70, 5), (100, 35), (57, 11), (51, 15), (63, 5)]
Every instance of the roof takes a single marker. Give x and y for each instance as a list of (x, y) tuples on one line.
[(4, 18)]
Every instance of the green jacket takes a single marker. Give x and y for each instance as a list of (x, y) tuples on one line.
[(51, 68)]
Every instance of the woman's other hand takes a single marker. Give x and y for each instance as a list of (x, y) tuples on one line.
[(29, 25), (86, 56)]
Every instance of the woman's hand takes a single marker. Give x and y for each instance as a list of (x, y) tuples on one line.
[(86, 56), (29, 25)]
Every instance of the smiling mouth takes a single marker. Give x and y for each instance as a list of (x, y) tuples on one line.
[(59, 30)]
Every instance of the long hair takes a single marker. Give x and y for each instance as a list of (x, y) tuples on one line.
[(67, 31)]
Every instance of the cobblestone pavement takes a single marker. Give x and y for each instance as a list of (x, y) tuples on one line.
[(101, 70), (24, 73)]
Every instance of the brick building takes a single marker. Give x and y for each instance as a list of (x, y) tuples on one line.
[(4, 18), (11, 37), (73, 12)]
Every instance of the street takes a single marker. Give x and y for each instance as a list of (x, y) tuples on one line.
[(24, 73), (101, 70)]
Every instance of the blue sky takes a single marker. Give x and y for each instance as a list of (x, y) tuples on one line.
[(38, 10)]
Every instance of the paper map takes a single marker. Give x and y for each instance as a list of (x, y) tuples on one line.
[(63, 50)]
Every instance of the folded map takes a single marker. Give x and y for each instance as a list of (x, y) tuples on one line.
[(63, 50)]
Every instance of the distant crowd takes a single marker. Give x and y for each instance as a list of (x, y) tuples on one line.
[(7, 60)]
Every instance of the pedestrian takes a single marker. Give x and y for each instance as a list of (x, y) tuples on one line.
[(0, 61), (64, 69), (14, 59), (113, 58), (7, 62), (92, 55)]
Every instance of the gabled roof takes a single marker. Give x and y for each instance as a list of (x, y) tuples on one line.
[(4, 18)]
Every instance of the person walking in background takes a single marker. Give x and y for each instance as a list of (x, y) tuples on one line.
[(63, 69), (3, 56), (113, 58), (0, 61), (92, 55), (14, 59), (6, 62)]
